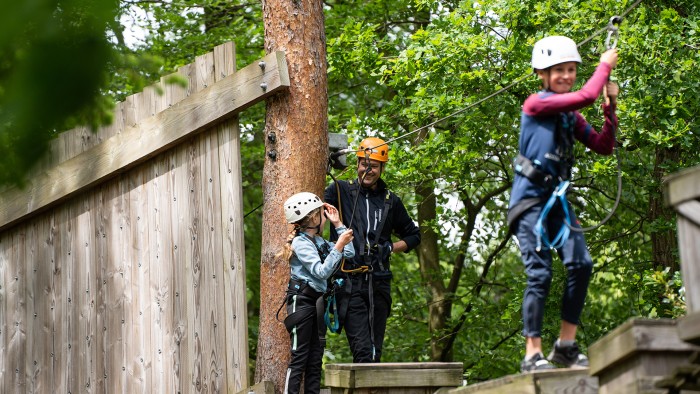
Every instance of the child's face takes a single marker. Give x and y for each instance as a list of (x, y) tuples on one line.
[(323, 218), (560, 78)]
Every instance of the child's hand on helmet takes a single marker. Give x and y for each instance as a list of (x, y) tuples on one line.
[(610, 57), (331, 214), (344, 239)]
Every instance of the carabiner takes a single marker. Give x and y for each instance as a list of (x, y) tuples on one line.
[(560, 190), (613, 31)]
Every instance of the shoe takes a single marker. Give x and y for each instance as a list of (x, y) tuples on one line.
[(568, 356), (535, 363)]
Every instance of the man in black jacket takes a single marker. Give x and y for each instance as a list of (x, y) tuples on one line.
[(373, 213)]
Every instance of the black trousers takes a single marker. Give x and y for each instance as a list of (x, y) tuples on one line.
[(365, 335), (307, 351)]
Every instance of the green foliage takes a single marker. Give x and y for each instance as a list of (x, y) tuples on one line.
[(395, 66), (53, 62), (459, 54)]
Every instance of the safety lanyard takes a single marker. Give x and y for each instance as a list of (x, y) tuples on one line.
[(559, 194)]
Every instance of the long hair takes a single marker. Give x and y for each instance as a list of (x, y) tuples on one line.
[(298, 226)]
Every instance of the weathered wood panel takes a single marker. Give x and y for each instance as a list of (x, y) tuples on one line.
[(556, 381), (135, 282), (233, 244), (634, 355), (146, 138), (392, 378)]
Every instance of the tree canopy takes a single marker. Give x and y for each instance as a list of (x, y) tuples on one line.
[(395, 66)]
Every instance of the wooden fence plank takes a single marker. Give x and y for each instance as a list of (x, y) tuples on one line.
[(84, 297), (5, 258), (197, 309), (16, 323), (61, 312), (29, 262), (140, 338), (127, 266), (233, 244), (73, 321), (40, 312), (147, 138), (114, 288), (183, 349), (212, 260), (100, 209)]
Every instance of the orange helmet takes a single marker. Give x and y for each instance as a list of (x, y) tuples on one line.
[(376, 148)]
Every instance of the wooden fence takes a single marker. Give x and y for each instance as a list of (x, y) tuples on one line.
[(122, 263)]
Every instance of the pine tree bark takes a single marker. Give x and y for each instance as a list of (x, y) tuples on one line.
[(664, 242), (296, 145)]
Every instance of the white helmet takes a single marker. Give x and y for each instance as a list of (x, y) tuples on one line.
[(299, 205), (554, 50)]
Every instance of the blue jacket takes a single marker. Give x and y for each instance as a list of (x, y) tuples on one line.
[(306, 264), (538, 127)]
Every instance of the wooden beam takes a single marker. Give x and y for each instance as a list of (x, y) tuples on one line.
[(634, 336), (264, 387), (682, 186), (394, 375), (562, 380), (146, 139)]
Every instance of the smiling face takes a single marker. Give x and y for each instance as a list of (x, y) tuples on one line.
[(373, 170), (559, 78)]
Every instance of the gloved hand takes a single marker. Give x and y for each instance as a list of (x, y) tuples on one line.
[(382, 252), (381, 266)]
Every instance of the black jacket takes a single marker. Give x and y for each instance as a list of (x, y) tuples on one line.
[(368, 218)]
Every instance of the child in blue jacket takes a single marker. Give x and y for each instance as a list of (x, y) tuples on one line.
[(550, 124), (312, 261)]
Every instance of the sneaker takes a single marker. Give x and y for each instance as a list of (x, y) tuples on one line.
[(568, 356), (535, 363)]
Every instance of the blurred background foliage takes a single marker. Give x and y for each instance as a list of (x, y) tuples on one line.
[(395, 66)]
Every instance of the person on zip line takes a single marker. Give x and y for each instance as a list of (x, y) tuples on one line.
[(312, 260), (539, 214), (375, 213)]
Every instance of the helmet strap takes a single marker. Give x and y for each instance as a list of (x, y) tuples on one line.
[(317, 227), (544, 76)]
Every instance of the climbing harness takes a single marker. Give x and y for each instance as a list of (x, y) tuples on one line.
[(297, 289), (559, 195), (332, 315)]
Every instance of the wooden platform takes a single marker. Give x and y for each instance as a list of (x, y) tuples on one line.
[(562, 380), (682, 192), (392, 378), (634, 356)]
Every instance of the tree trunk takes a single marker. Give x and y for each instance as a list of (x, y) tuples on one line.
[(295, 162), (664, 247)]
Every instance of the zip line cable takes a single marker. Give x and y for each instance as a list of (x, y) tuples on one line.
[(613, 33), (614, 20)]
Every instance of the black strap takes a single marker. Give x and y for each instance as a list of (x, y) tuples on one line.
[(300, 288), (564, 138), (322, 252), (385, 214), (524, 166), (388, 201)]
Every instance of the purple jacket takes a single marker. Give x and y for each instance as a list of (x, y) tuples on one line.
[(538, 127)]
